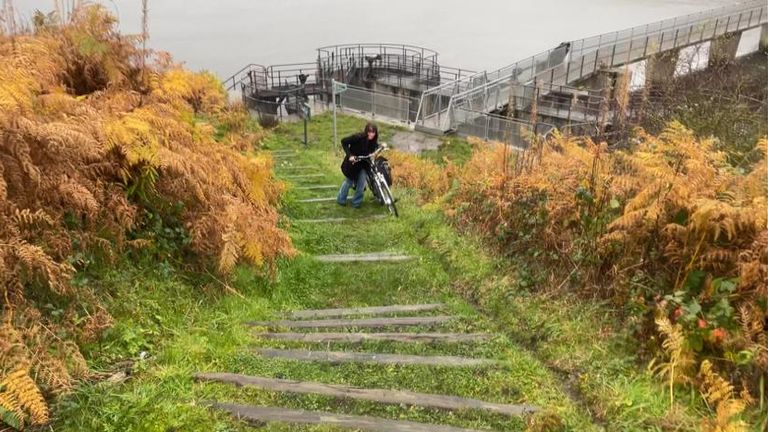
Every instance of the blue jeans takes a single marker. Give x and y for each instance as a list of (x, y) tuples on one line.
[(357, 200)]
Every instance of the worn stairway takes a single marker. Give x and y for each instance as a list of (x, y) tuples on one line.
[(308, 319), (342, 335)]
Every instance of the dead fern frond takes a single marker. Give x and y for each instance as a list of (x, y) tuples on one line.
[(679, 358), (230, 251), (28, 218), (718, 393), (23, 397)]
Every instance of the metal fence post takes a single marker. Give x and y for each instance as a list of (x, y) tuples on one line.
[(373, 104), (333, 101)]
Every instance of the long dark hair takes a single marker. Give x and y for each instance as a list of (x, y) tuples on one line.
[(371, 127)]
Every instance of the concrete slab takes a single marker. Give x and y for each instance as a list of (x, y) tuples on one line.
[(414, 142)]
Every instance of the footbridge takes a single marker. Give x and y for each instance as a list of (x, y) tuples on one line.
[(471, 103), (566, 85)]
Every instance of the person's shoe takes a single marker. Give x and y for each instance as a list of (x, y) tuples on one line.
[(343, 204)]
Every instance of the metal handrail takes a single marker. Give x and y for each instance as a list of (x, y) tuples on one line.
[(239, 76), (416, 60), (281, 74), (423, 50)]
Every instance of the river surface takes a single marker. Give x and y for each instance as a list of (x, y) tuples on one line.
[(224, 35)]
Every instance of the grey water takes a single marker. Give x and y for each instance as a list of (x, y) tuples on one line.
[(222, 36)]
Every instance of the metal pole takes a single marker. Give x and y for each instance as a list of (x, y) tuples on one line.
[(333, 100)]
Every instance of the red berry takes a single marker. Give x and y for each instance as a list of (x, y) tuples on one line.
[(719, 334)]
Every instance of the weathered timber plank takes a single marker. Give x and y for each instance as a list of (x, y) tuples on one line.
[(351, 357), (317, 200), (372, 424), (374, 395), (389, 337), (369, 257), (360, 323), (373, 310)]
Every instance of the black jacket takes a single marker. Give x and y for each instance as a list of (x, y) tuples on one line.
[(356, 145)]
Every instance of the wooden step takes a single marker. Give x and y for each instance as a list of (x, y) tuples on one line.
[(389, 337), (317, 187), (258, 415), (317, 200), (359, 323), (336, 357), (334, 220), (301, 176), (375, 395), (366, 257), (374, 310)]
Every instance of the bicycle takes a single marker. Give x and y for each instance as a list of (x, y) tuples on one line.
[(377, 183)]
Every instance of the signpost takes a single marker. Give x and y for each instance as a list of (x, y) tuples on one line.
[(336, 89)]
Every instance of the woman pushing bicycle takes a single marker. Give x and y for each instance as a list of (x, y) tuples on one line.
[(356, 174)]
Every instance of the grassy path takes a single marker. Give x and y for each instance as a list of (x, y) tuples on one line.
[(208, 333)]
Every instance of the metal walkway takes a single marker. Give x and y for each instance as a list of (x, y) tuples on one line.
[(453, 105)]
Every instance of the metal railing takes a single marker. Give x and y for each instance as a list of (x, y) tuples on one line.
[(290, 75), (404, 66), (245, 76), (255, 80), (577, 59), (392, 107), (336, 61), (561, 104), (494, 127)]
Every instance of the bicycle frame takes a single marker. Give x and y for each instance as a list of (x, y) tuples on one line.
[(376, 182)]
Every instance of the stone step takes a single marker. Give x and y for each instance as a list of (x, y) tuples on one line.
[(358, 323), (366, 257), (386, 396), (389, 337), (258, 415), (336, 357), (374, 310)]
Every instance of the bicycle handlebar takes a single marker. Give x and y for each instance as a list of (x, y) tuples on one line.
[(370, 156)]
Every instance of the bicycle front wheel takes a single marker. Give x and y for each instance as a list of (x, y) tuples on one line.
[(389, 200)]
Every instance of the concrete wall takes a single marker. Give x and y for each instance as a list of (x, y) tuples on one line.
[(764, 38), (723, 49), (661, 67)]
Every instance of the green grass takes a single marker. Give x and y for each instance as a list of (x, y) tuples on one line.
[(560, 354)]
